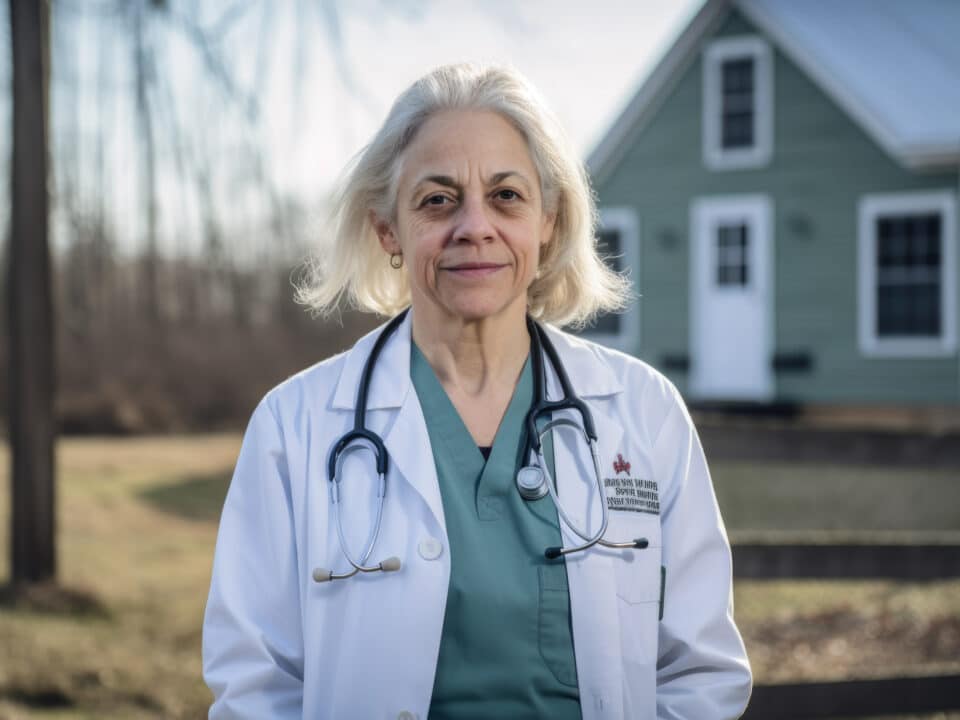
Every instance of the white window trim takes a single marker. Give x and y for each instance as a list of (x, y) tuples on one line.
[(870, 208), (715, 156), (625, 220)]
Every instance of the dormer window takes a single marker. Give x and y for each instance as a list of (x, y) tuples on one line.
[(737, 104)]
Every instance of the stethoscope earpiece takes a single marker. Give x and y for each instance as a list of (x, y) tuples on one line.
[(391, 564)]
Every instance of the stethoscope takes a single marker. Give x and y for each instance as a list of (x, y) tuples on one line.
[(533, 480)]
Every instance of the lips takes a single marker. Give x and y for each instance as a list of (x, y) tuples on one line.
[(474, 269)]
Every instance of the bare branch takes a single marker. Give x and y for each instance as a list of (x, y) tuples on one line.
[(216, 66)]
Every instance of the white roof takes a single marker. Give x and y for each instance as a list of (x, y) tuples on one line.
[(892, 65)]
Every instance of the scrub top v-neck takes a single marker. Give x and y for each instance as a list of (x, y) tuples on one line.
[(507, 646)]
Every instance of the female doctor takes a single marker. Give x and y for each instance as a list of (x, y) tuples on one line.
[(427, 591)]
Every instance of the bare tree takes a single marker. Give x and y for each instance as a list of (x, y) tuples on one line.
[(186, 233), (30, 307), (144, 62)]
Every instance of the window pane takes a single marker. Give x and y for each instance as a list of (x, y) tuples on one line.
[(909, 275), (737, 131), (737, 103), (926, 309), (731, 254), (738, 75), (925, 250), (891, 314), (891, 242)]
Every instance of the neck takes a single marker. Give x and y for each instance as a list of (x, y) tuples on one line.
[(477, 356)]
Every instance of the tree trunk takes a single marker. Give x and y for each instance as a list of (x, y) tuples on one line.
[(30, 307), (144, 64)]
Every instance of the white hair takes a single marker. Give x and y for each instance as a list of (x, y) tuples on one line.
[(573, 283)]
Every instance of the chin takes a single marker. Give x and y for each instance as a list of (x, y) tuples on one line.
[(469, 307), (477, 313), (473, 314)]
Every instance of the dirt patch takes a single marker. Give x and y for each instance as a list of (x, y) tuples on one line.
[(899, 633)]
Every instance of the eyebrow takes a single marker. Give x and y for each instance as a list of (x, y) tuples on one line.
[(447, 181), (444, 180)]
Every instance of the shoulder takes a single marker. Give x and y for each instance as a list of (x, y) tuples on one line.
[(314, 387), (639, 388), (589, 360), (315, 383)]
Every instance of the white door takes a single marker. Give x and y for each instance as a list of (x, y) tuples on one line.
[(731, 298)]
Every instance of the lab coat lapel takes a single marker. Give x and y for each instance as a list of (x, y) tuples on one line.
[(593, 592), (409, 446), (393, 410)]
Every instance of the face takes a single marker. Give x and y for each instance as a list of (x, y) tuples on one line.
[(470, 220)]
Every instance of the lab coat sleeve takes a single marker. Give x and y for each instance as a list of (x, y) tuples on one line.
[(702, 667), (252, 635)]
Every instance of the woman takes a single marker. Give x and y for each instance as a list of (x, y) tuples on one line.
[(470, 208)]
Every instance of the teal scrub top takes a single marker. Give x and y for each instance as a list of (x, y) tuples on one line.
[(507, 644)]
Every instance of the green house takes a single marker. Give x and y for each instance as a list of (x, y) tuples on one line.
[(783, 189)]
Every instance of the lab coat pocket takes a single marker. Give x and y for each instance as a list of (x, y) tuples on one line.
[(554, 632), (638, 575), (639, 579)]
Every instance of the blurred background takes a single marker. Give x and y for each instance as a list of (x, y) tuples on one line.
[(780, 179)]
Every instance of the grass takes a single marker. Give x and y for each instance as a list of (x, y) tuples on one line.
[(120, 637), (844, 500), (137, 524)]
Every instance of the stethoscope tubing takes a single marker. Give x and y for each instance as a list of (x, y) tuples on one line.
[(343, 447), (361, 438), (358, 565), (589, 540)]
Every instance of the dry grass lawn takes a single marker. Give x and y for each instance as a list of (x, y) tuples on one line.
[(137, 520), (144, 567)]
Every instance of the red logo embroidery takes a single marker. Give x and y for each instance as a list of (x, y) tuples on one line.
[(620, 465)]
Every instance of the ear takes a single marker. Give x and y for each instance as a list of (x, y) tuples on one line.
[(385, 233)]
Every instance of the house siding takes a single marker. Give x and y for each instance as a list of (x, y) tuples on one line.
[(821, 166)]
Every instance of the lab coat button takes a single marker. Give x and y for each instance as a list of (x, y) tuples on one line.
[(429, 549), (406, 714)]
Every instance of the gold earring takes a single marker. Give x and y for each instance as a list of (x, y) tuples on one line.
[(396, 260)]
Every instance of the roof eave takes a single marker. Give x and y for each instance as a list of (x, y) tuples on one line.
[(605, 156), (930, 157), (867, 118), (610, 150)]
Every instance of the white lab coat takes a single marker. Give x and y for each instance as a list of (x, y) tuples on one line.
[(278, 645)]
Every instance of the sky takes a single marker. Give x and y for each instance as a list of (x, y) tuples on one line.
[(586, 58), (324, 74)]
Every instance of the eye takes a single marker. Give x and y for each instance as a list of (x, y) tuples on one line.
[(436, 200), (507, 194)]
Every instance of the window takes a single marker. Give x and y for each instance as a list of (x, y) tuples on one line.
[(737, 103), (732, 255), (907, 278), (618, 240)]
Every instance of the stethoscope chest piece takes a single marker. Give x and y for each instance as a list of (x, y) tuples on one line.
[(531, 482)]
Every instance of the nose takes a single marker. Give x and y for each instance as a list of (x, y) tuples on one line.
[(473, 221)]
